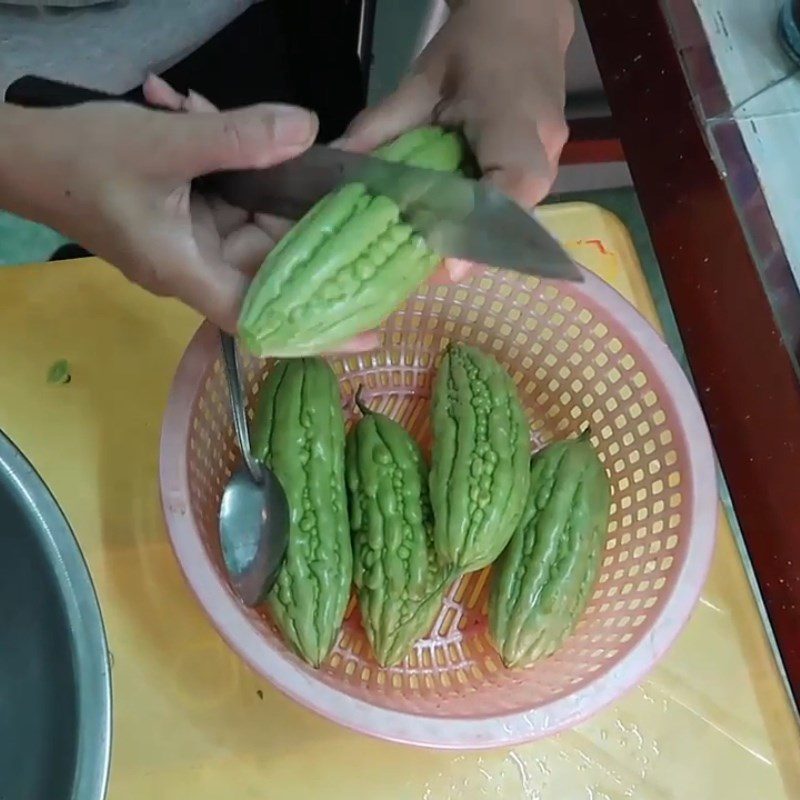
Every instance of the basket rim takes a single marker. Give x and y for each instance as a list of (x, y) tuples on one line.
[(231, 621)]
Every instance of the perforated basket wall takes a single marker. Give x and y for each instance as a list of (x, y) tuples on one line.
[(578, 354)]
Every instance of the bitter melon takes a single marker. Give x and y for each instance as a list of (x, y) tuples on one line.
[(298, 432), (542, 581), (395, 568), (481, 450), (347, 264)]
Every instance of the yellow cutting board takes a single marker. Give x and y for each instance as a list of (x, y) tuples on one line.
[(192, 722)]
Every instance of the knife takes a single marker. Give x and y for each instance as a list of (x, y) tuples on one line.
[(458, 217)]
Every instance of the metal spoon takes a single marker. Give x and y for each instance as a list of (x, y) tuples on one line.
[(254, 514)]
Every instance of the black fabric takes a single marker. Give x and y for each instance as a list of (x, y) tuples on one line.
[(69, 251), (302, 52)]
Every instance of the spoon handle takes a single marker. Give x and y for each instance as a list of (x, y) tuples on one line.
[(238, 405)]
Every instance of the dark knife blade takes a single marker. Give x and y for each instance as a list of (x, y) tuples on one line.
[(459, 217)]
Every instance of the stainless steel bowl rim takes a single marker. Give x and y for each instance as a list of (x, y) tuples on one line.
[(82, 609)]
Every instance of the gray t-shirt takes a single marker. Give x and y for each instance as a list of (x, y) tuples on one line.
[(106, 44)]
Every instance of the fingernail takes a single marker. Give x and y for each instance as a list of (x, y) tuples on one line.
[(346, 143), (458, 269), (196, 102), (157, 80), (362, 343), (343, 140), (294, 125)]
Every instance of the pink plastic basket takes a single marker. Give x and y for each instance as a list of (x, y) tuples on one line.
[(579, 354)]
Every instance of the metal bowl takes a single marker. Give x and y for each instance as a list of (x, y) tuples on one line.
[(55, 686)]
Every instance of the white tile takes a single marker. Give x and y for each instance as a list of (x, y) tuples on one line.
[(743, 38), (763, 85)]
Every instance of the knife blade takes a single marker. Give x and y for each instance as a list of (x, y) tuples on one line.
[(458, 217)]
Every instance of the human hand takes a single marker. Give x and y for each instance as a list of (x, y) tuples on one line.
[(116, 178), (496, 69), (245, 238)]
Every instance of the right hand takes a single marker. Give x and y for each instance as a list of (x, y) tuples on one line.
[(123, 175), (116, 178), (496, 71)]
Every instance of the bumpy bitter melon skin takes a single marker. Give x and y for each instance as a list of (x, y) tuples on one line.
[(347, 264), (543, 580), (398, 577), (481, 450), (298, 432)]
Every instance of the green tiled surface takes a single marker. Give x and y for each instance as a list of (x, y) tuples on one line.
[(23, 242)]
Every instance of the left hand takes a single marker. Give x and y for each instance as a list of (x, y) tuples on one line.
[(243, 239), (496, 69)]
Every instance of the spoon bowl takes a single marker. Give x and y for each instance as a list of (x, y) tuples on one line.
[(249, 516), (254, 512)]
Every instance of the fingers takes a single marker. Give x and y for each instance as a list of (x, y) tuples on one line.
[(411, 105), (257, 136), (180, 256), (517, 156), (457, 269), (522, 162), (196, 143), (247, 247), (553, 133), (253, 137), (203, 226), (364, 342), (196, 102), (527, 183), (158, 92), (517, 150), (441, 276), (243, 247), (210, 286), (227, 218), (275, 227), (217, 294)]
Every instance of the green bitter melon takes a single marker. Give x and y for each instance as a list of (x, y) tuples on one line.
[(298, 432), (398, 577), (481, 450), (544, 578)]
